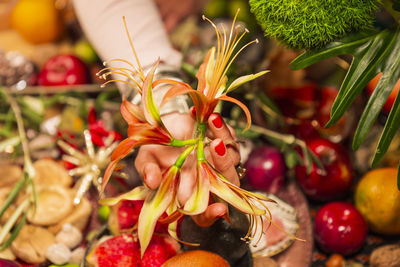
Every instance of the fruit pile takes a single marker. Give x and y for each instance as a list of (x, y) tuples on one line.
[(350, 203), (55, 50)]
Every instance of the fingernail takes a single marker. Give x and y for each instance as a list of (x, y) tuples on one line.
[(220, 148), (217, 121), (220, 215), (193, 110)]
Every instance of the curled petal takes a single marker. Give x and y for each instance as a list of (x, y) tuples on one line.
[(155, 205), (149, 107), (138, 193), (131, 113), (198, 201), (201, 73), (241, 105), (123, 149), (231, 194), (175, 91)]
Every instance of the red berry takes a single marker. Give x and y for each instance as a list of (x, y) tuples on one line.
[(340, 228)]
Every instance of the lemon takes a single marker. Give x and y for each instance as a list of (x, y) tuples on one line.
[(38, 21), (378, 200)]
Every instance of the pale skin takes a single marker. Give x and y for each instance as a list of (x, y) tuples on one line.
[(152, 160)]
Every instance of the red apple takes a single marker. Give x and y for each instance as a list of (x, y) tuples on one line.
[(64, 69), (340, 228), (338, 175), (389, 103), (265, 169)]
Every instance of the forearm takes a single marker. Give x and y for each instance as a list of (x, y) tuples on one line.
[(102, 23)]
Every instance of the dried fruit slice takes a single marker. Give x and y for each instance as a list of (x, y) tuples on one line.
[(31, 243), (10, 174), (49, 172), (78, 217), (54, 203)]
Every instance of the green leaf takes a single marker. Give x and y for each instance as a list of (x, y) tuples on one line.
[(372, 53), (379, 96), (292, 158), (390, 129), (365, 66), (341, 47)]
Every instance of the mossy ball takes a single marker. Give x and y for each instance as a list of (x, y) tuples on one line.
[(306, 24)]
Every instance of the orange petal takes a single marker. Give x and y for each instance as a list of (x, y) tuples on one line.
[(131, 113), (124, 148), (138, 193), (241, 105), (226, 191), (201, 73), (155, 205), (198, 201)]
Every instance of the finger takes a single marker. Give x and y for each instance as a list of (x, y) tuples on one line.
[(223, 161), (186, 184), (220, 130), (152, 175), (148, 168), (212, 213), (170, 22)]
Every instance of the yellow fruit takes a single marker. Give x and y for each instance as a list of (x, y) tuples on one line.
[(196, 258), (378, 200), (38, 21)]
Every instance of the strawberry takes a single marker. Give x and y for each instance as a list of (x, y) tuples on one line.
[(124, 251)]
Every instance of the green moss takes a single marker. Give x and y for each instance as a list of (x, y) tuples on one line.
[(305, 24)]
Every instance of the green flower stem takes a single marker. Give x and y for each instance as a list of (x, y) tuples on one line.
[(182, 143), (14, 217), (201, 134), (181, 159), (21, 131)]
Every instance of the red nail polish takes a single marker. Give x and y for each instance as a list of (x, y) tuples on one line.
[(217, 121), (220, 148), (193, 110)]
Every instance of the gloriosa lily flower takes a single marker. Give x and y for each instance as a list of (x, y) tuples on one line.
[(146, 127), (212, 77)]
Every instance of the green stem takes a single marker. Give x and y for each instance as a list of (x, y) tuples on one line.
[(11, 221), (21, 131), (201, 134), (182, 143), (14, 192), (181, 159)]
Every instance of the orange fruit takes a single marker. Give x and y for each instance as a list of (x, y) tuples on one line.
[(196, 258), (38, 21), (378, 200), (389, 102)]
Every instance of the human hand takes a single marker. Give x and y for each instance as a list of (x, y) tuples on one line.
[(173, 11), (222, 153)]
